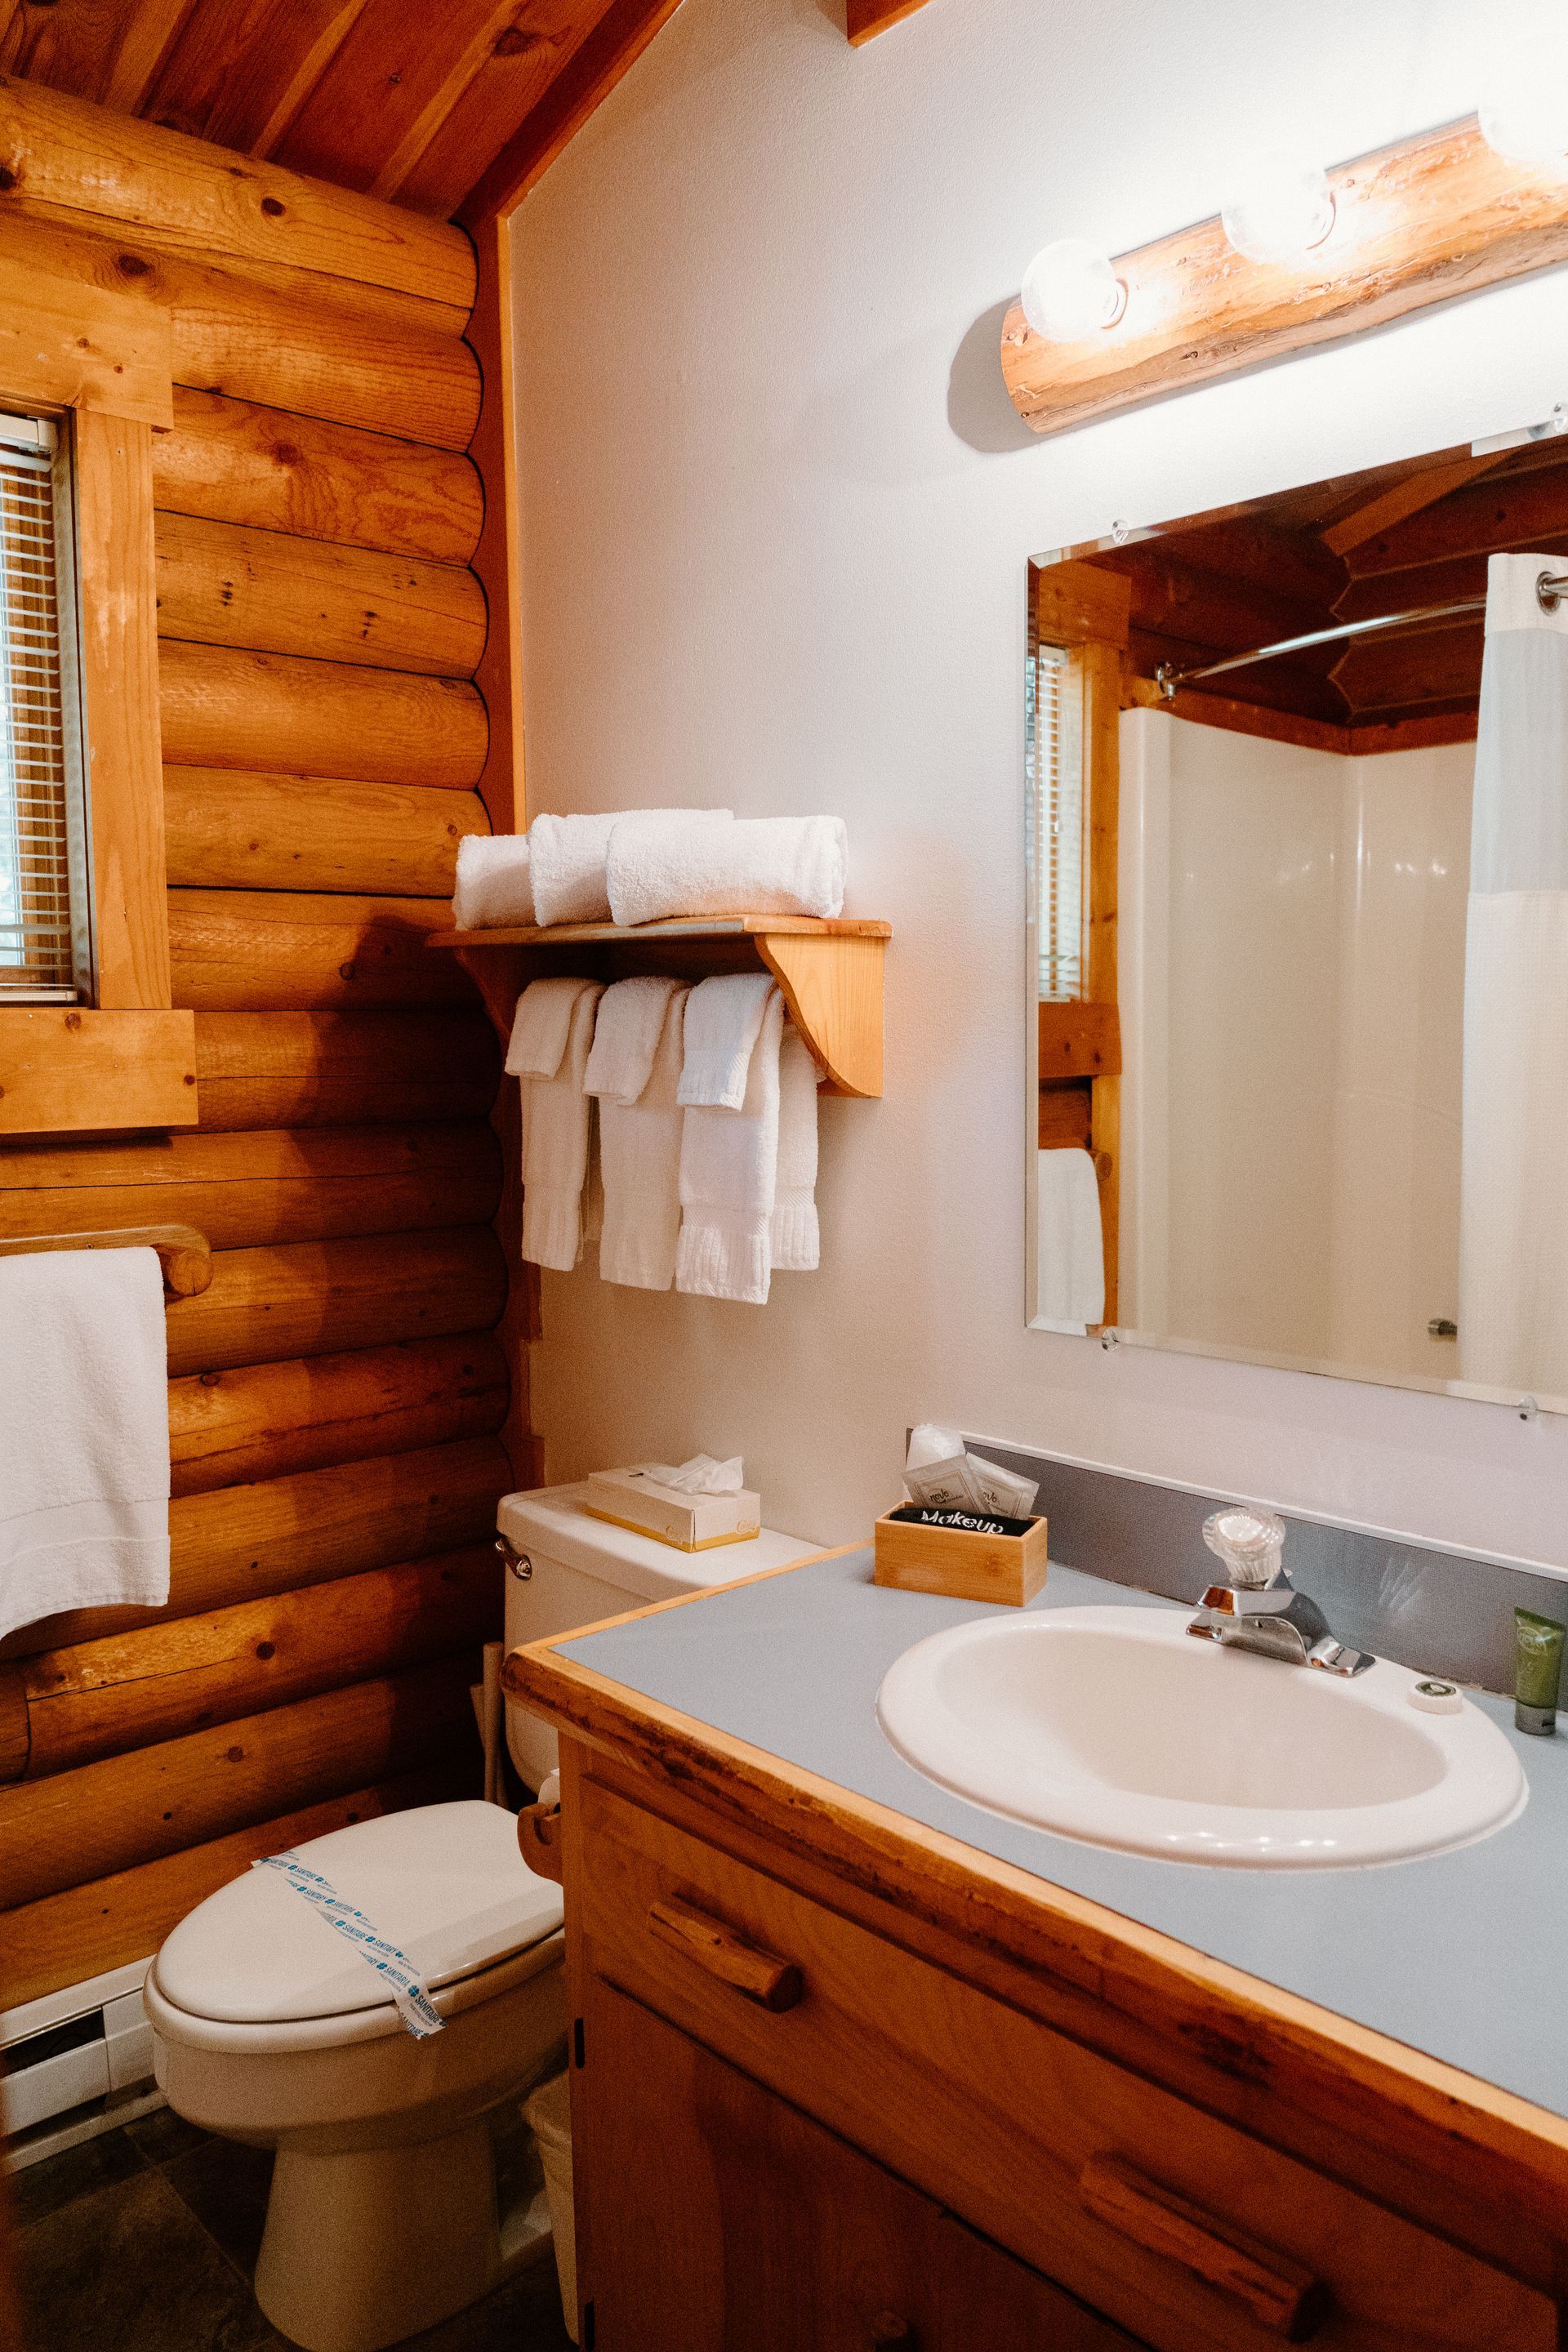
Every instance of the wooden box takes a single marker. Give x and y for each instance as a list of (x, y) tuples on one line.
[(966, 1565)]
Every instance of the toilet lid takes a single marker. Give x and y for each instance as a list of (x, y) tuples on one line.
[(446, 1884)]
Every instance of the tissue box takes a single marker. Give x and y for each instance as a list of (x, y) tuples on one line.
[(690, 1522), (960, 1562)]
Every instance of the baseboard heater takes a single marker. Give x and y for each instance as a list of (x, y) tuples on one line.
[(64, 2065)]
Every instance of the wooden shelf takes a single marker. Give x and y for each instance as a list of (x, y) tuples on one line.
[(830, 973)]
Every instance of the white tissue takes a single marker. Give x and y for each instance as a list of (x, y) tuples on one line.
[(929, 1443), (702, 1476)]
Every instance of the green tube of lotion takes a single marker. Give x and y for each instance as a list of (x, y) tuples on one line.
[(1537, 1669)]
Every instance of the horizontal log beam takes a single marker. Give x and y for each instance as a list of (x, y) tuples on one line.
[(62, 152), (234, 461), (314, 1413), (298, 1069), (220, 584), (229, 829), (316, 1298), (223, 708), (127, 1691), (125, 1916), (254, 1190), (108, 1817), (286, 952), (243, 1543)]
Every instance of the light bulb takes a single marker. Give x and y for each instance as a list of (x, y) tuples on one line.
[(1523, 109), (1069, 289), (1280, 205)]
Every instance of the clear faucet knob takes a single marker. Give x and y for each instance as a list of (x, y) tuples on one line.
[(1250, 1543)]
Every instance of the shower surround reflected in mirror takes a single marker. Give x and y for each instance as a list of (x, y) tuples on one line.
[(1297, 972)]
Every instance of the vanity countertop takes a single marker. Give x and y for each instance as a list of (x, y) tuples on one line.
[(1459, 1956)]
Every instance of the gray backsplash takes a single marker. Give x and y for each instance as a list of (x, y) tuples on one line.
[(1431, 1610)]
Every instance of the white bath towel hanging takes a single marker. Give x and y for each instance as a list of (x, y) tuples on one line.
[(1070, 1247), (729, 1168), (541, 1025), (757, 866), (640, 1156), (84, 1433), (626, 1036), (794, 1240), (555, 1124), (493, 886), (567, 858), (723, 1023)]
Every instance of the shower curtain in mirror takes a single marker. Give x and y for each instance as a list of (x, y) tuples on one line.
[(1513, 1212)]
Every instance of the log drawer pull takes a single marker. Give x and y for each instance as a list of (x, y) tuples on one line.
[(757, 1975), (1278, 2291), (539, 1839)]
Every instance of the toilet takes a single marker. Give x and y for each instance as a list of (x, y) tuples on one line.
[(270, 2027)]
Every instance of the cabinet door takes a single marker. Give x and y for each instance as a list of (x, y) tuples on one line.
[(715, 2218)]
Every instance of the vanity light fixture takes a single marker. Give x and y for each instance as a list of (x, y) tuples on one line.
[(1279, 207), (1070, 290)]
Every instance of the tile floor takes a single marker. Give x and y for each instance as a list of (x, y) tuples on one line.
[(144, 2241)]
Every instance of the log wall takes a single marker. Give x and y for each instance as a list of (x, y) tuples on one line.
[(337, 1398)]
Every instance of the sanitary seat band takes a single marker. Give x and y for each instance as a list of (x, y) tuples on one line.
[(415, 2007)]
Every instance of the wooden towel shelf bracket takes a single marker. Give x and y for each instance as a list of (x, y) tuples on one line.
[(183, 1255)]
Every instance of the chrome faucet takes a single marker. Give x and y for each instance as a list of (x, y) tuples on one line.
[(1260, 1609)]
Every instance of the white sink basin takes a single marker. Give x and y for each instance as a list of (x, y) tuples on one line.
[(1110, 1725)]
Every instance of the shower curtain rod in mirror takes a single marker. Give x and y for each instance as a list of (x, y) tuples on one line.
[(1550, 587)]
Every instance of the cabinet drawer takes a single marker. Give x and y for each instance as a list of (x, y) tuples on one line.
[(1188, 2232)]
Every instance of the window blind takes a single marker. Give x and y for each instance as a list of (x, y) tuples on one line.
[(1058, 800), (43, 945)]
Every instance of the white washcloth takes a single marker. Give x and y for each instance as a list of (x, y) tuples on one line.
[(540, 1026), (1070, 1247), (639, 1158), (493, 886), (555, 1123), (630, 1023), (757, 866), (729, 1165), (794, 1239), (567, 858), (84, 1433), (723, 1023)]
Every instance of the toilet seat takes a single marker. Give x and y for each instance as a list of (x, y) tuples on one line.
[(255, 1968)]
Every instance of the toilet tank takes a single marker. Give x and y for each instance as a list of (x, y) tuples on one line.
[(576, 1570)]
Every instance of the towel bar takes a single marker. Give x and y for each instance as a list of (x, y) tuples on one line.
[(183, 1253)]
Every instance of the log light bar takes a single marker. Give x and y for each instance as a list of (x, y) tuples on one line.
[(1438, 214)]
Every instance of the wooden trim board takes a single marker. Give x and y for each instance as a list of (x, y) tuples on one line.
[(65, 1069)]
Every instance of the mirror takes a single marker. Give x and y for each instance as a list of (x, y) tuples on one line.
[(1298, 955)]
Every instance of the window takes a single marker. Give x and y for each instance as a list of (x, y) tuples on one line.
[(1056, 730), (46, 955)]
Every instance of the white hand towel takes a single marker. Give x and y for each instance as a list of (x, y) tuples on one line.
[(555, 1120), (639, 1160), (1069, 1248), (630, 1023), (756, 865), (540, 1027), (493, 886), (84, 1433), (794, 1240), (567, 858), (729, 1166), (723, 1023)]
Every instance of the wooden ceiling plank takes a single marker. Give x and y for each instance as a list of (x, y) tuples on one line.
[(1441, 664), (386, 90), (1443, 582), (538, 45), (619, 38), (241, 69), (1510, 511), (864, 19), (1420, 489), (103, 50)]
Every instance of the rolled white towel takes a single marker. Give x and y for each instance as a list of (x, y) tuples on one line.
[(567, 855), (755, 866), (494, 886)]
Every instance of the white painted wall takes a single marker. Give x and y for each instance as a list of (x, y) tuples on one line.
[(776, 521)]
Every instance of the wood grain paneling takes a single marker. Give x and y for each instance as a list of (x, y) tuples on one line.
[(277, 952), (108, 1817), (233, 830), (62, 1070), (313, 1412), (318, 1297), (222, 584), (321, 1069), (234, 461)]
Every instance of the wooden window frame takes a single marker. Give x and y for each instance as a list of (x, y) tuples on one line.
[(75, 350)]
